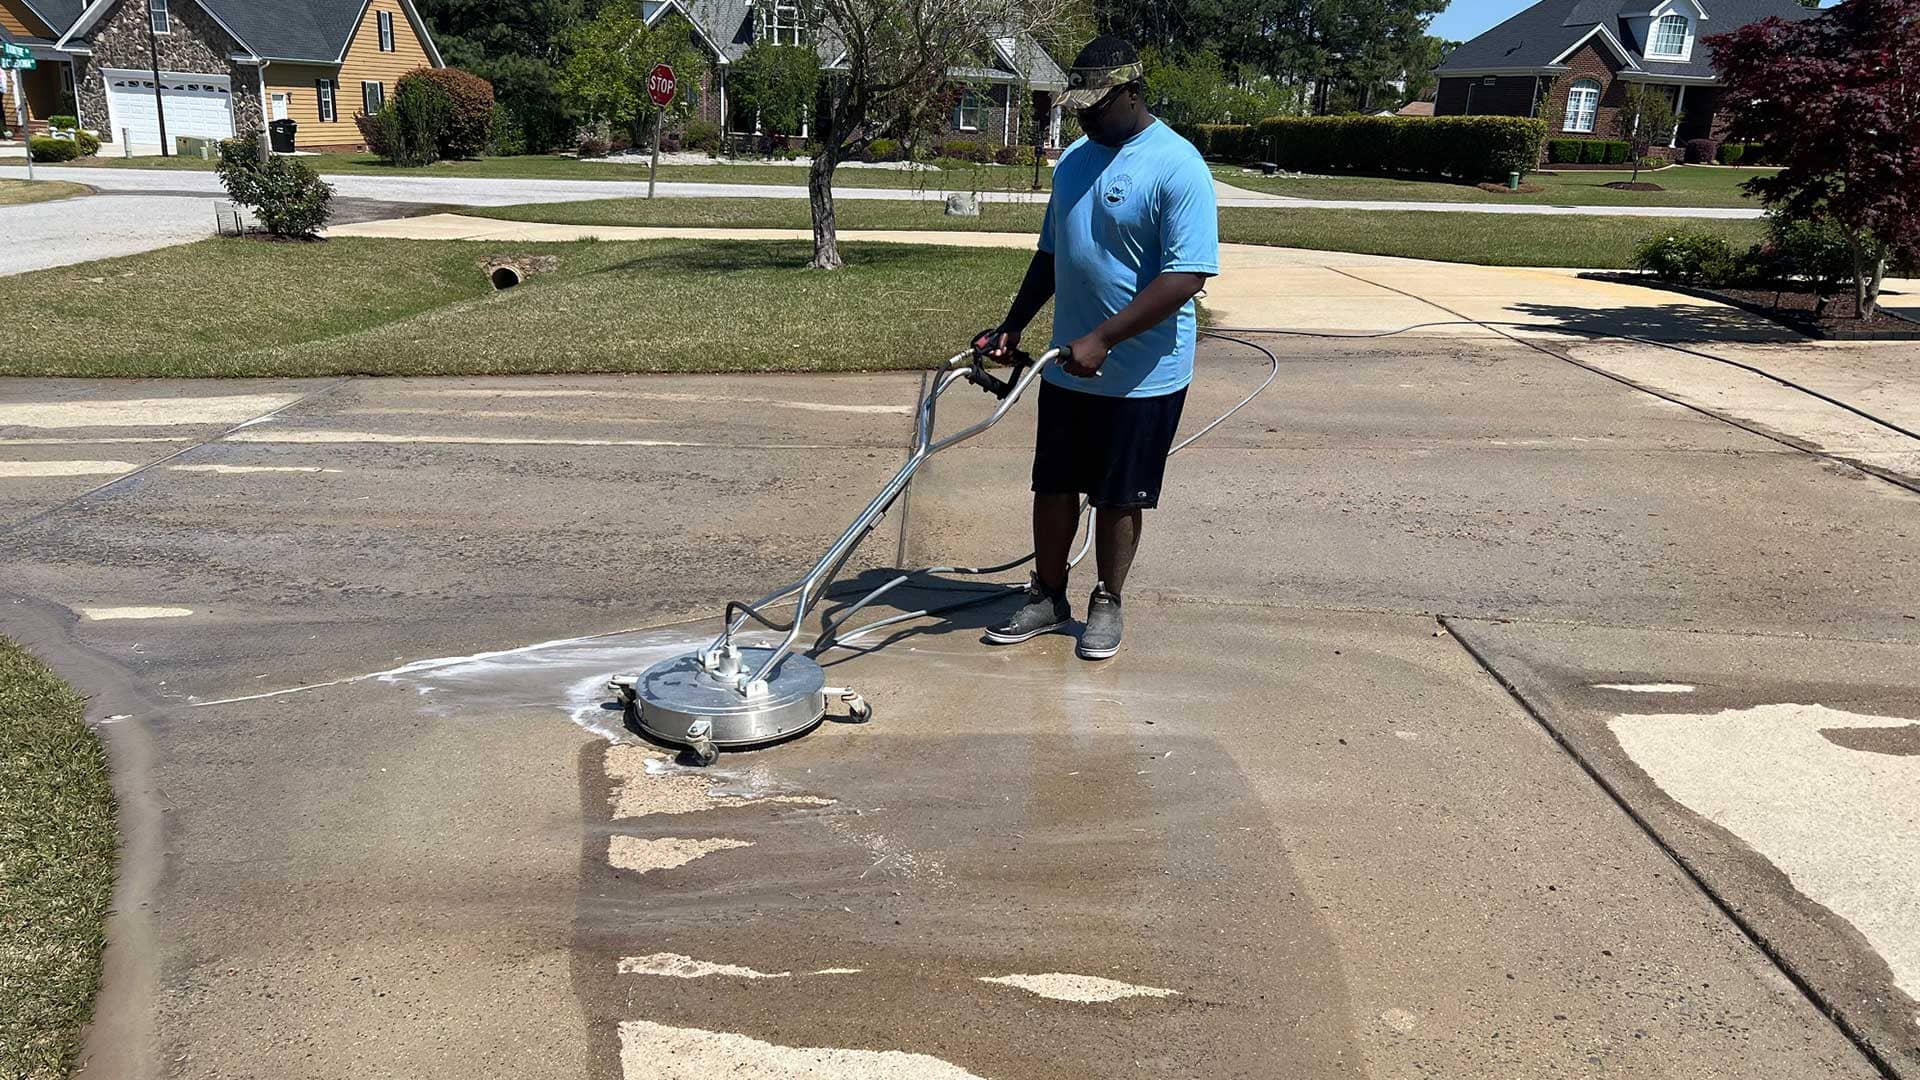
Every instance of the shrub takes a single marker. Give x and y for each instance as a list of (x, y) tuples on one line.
[(63, 122), (703, 135), (376, 132), (465, 111), (883, 150), (88, 142), (409, 127), (972, 150), (592, 146), (1701, 151), (1564, 151), (1014, 155), (1466, 147), (1687, 256), (285, 193), (1223, 142), (1730, 153), (509, 136), (1813, 250), (1593, 152), (46, 148), (1618, 152)]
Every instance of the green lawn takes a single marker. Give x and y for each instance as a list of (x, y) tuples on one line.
[(553, 167), (1687, 185), (1490, 239), (56, 868), (401, 307), (18, 192)]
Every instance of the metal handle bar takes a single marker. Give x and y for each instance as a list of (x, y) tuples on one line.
[(964, 366)]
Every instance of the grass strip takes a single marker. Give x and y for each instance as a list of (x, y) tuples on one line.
[(403, 307), (1584, 240), (21, 192), (56, 868)]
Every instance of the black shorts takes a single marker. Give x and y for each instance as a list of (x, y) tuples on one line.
[(1111, 449)]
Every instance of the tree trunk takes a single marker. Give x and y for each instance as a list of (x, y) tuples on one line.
[(1879, 276), (826, 237), (1867, 272)]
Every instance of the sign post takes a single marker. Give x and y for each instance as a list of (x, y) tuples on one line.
[(660, 87), (19, 58)]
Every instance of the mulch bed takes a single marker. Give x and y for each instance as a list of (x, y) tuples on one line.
[(1628, 185), (1799, 309)]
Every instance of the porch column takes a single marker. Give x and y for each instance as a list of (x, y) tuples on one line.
[(1679, 103)]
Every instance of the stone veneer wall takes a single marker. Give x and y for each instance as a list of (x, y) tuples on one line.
[(196, 44)]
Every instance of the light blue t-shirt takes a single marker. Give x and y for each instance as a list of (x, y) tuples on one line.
[(1118, 218)]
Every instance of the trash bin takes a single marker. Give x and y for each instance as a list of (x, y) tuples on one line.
[(280, 134)]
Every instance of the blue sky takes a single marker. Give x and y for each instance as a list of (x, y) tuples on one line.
[(1464, 19)]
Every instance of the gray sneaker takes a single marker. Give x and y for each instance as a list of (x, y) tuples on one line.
[(1042, 612), (1101, 638)]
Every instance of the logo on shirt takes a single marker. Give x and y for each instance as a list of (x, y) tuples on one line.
[(1117, 189)]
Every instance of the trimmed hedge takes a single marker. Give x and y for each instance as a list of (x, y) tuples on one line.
[(1701, 151), (48, 149), (1588, 152), (468, 122), (1733, 153), (1465, 147)]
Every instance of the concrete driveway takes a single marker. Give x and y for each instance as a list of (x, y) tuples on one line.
[(1430, 664)]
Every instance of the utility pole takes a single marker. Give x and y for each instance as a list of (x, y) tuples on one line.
[(159, 99)]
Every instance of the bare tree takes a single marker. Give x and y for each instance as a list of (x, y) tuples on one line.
[(887, 58)]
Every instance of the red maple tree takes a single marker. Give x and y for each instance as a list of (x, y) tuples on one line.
[(1836, 100)]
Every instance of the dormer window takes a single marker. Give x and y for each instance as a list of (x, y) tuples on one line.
[(1669, 36), (782, 23)]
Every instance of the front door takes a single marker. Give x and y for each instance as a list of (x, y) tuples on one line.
[(280, 104)]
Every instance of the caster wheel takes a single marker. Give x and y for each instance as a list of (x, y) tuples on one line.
[(858, 711), (704, 752)]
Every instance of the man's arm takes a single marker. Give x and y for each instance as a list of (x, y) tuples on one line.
[(1155, 304), (1035, 290)]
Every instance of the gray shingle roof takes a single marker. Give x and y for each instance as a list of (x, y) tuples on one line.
[(1531, 39), (57, 14), (291, 29)]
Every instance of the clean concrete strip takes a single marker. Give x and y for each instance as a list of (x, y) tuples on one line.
[(650, 1051), (697, 399), (664, 853), (142, 412), (1842, 824), (103, 614), (1085, 989), (676, 966), (18, 470)]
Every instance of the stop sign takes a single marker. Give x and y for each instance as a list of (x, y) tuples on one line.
[(660, 85)]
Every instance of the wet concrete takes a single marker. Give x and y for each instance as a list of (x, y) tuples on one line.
[(1294, 801)]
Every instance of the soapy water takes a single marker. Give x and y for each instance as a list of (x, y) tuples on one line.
[(569, 675)]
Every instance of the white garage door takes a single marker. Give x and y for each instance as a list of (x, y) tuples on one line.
[(197, 105)]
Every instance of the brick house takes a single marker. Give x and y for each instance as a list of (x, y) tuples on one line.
[(988, 95), (1574, 60), (225, 66)]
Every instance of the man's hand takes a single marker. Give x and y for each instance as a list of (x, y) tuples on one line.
[(1085, 356), (997, 344)]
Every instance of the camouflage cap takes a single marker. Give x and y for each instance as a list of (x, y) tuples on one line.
[(1086, 87)]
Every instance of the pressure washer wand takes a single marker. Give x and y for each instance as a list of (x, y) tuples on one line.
[(721, 654)]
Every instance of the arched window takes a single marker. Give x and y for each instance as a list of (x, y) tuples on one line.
[(1670, 36), (1583, 104)]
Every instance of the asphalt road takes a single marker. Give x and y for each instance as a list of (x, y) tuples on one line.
[(1481, 716)]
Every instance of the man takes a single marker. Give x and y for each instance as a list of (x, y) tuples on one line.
[(1130, 237)]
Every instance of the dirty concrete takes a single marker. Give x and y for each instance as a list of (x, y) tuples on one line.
[(1295, 801)]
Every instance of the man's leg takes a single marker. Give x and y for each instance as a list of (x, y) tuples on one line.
[(1055, 519), (1116, 536)]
